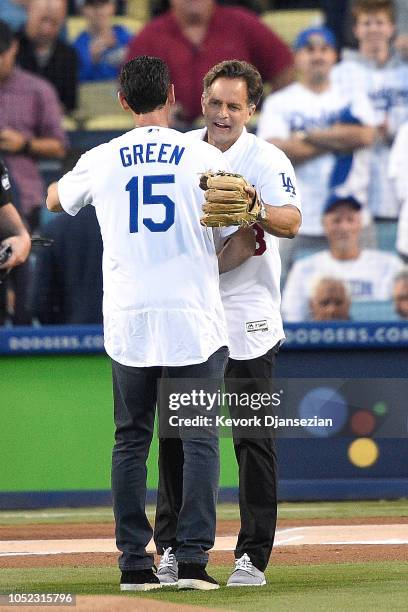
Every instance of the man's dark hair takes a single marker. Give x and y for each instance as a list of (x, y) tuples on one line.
[(145, 82), (6, 36), (235, 69)]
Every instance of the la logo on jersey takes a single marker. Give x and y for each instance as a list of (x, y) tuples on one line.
[(287, 184)]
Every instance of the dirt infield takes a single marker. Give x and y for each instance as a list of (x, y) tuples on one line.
[(297, 542), (112, 603)]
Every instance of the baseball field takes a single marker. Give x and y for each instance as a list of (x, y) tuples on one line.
[(327, 556)]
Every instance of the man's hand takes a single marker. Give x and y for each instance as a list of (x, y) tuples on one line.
[(20, 250), (12, 141)]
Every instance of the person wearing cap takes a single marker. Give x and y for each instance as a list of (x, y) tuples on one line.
[(367, 273), (30, 126), (324, 133)]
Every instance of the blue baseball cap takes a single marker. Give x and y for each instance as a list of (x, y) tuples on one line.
[(335, 199), (305, 37)]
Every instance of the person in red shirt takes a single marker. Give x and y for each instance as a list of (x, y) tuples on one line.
[(193, 35)]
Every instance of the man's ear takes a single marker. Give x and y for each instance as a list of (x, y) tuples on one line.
[(123, 102), (171, 96)]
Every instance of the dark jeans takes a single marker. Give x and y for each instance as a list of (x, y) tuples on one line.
[(135, 394), (257, 464)]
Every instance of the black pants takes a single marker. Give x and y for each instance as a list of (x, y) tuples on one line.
[(257, 464)]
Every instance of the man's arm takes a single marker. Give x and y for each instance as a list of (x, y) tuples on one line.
[(341, 137), (12, 141), (281, 221), (237, 249), (53, 201), (296, 148), (17, 236)]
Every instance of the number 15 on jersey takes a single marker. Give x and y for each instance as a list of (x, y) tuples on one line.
[(149, 198)]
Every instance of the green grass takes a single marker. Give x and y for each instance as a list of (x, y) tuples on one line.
[(358, 587), (307, 510)]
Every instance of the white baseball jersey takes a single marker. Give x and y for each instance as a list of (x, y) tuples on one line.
[(161, 302), (251, 293), (398, 171), (369, 277), (297, 108), (387, 88)]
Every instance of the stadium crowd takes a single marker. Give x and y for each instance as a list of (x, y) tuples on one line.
[(336, 105)]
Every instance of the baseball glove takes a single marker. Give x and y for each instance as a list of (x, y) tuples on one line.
[(226, 200)]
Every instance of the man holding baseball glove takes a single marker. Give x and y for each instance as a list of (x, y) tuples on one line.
[(269, 207)]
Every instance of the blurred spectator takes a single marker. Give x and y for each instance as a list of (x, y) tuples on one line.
[(30, 126), (329, 300), (157, 7), (14, 13), (401, 42), (68, 276), (193, 36), (368, 273), (319, 128), (102, 47), (42, 52), (398, 172), (400, 294), (75, 6), (13, 234), (374, 69)]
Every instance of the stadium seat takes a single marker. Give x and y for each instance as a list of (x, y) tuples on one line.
[(386, 235), (290, 22), (100, 98), (373, 311), (120, 122)]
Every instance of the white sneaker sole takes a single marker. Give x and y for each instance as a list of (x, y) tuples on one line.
[(235, 584), (199, 585), (148, 586), (169, 584)]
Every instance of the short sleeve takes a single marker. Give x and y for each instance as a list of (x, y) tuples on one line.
[(363, 110), (74, 188), (272, 123), (277, 181)]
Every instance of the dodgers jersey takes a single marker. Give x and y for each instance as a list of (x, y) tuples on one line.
[(398, 172), (297, 108), (369, 277), (387, 88), (161, 303), (251, 292)]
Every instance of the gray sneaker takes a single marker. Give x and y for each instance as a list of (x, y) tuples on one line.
[(245, 574), (167, 571)]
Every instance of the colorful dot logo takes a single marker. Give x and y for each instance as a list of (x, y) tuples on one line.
[(363, 452)]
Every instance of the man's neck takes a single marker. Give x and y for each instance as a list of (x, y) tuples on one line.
[(345, 254), (315, 86), (378, 55), (159, 118)]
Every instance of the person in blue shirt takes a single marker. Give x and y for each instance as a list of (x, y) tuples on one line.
[(101, 48)]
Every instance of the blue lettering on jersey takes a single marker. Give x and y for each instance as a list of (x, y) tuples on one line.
[(300, 121), (387, 98), (360, 288), (140, 155), (287, 183)]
